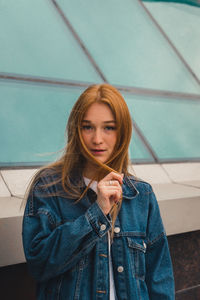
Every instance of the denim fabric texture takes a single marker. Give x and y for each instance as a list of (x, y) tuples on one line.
[(66, 246)]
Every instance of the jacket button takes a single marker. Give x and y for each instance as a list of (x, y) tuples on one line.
[(103, 227), (120, 269), (144, 244), (116, 229)]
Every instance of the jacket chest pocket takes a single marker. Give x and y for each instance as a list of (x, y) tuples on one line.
[(137, 250)]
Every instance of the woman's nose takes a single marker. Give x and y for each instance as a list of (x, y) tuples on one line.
[(97, 137)]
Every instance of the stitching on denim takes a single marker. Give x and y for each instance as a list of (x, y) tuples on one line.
[(148, 188), (132, 186), (82, 250), (137, 180), (140, 277), (132, 262), (31, 204), (59, 288), (92, 222), (128, 181), (150, 243), (136, 234), (137, 277), (135, 264), (136, 246), (137, 261), (79, 276), (138, 286), (45, 212)]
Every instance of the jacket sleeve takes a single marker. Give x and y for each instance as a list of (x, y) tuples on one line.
[(52, 249), (159, 273)]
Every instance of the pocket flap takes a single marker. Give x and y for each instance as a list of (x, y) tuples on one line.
[(137, 244)]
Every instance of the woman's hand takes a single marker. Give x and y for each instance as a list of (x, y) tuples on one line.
[(109, 191)]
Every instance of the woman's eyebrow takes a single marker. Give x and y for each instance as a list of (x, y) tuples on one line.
[(106, 122), (86, 121), (111, 121)]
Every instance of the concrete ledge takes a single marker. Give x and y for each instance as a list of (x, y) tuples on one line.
[(183, 172), (18, 180), (179, 207), (10, 207), (11, 214), (4, 192), (11, 251), (182, 216), (152, 173)]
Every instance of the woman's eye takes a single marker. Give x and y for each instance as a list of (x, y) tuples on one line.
[(87, 127), (110, 128)]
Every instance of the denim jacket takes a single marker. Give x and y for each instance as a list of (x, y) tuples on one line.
[(66, 246)]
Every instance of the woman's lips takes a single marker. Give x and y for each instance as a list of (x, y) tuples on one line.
[(97, 151)]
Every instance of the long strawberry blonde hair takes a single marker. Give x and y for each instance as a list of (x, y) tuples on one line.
[(76, 154)]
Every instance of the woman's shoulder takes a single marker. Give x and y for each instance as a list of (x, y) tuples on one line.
[(139, 183), (45, 182), (144, 192), (43, 190), (46, 176)]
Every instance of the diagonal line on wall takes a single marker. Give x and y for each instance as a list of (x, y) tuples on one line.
[(145, 142), (80, 42), (1, 175), (170, 43)]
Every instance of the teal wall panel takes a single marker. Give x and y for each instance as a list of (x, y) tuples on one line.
[(127, 46), (138, 151), (171, 126), (182, 25), (35, 41), (32, 122)]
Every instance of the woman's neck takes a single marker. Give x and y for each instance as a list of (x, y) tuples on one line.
[(90, 170)]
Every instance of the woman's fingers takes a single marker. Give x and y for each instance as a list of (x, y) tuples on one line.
[(109, 191), (109, 183), (115, 196), (112, 177)]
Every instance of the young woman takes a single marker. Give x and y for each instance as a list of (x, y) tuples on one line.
[(90, 229)]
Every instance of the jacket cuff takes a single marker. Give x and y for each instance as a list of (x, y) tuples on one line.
[(98, 220)]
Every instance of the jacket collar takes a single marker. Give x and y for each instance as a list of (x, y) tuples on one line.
[(128, 188)]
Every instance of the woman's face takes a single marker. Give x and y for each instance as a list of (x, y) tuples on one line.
[(99, 131)]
